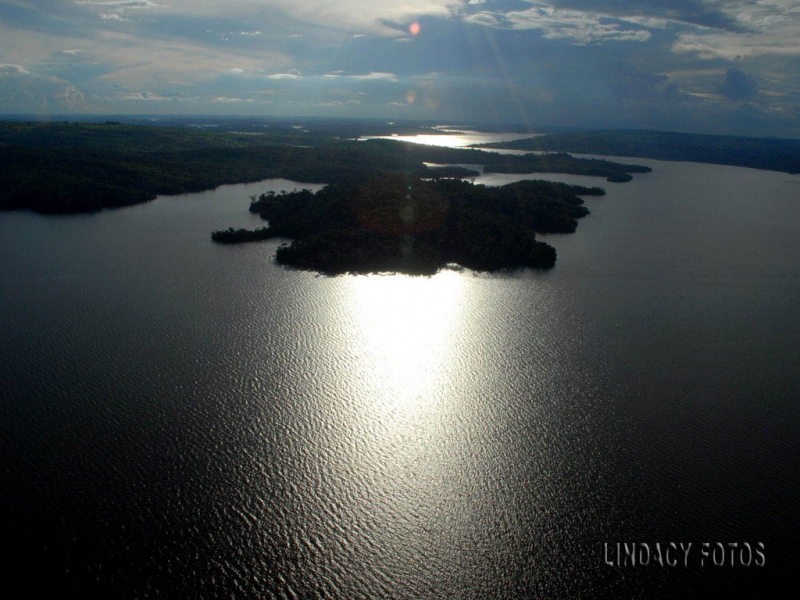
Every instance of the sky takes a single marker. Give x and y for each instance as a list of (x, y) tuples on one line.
[(712, 66)]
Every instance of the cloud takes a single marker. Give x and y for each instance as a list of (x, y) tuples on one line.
[(582, 61), (352, 16), (373, 76), (130, 63), (338, 74), (24, 91), (113, 17), (738, 86), (117, 10), (12, 70), (703, 13), (576, 26), (732, 47), (228, 100), (768, 27), (145, 97), (71, 98), (119, 3)]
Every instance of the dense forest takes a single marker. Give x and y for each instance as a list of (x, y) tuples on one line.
[(771, 154), (400, 223), (74, 167)]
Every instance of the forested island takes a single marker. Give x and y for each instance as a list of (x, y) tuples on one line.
[(53, 167), (771, 154), (401, 223)]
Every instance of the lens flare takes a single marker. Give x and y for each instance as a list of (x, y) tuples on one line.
[(414, 28)]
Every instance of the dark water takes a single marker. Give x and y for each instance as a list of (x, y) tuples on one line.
[(187, 420)]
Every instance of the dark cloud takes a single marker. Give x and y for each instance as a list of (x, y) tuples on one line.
[(738, 86)]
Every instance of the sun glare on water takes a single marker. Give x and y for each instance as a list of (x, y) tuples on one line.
[(407, 332)]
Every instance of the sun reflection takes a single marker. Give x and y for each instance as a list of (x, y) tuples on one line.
[(447, 139), (407, 331)]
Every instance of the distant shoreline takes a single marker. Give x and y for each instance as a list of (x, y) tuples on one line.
[(60, 168), (769, 154)]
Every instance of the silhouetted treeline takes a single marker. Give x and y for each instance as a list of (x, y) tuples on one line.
[(404, 224), (564, 163), (63, 167), (452, 172), (758, 153), (239, 236)]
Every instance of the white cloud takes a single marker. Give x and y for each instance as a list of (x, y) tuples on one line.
[(734, 46), (648, 22), (771, 27), (119, 3), (352, 16), (21, 89), (227, 100), (71, 98), (339, 74), (483, 18), (74, 52), (373, 75), (117, 10), (10, 70), (136, 63), (145, 97), (764, 26), (578, 27), (31, 47)]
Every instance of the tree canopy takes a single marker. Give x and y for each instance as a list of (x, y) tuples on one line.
[(400, 223)]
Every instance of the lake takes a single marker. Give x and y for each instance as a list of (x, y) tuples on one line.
[(188, 420)]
